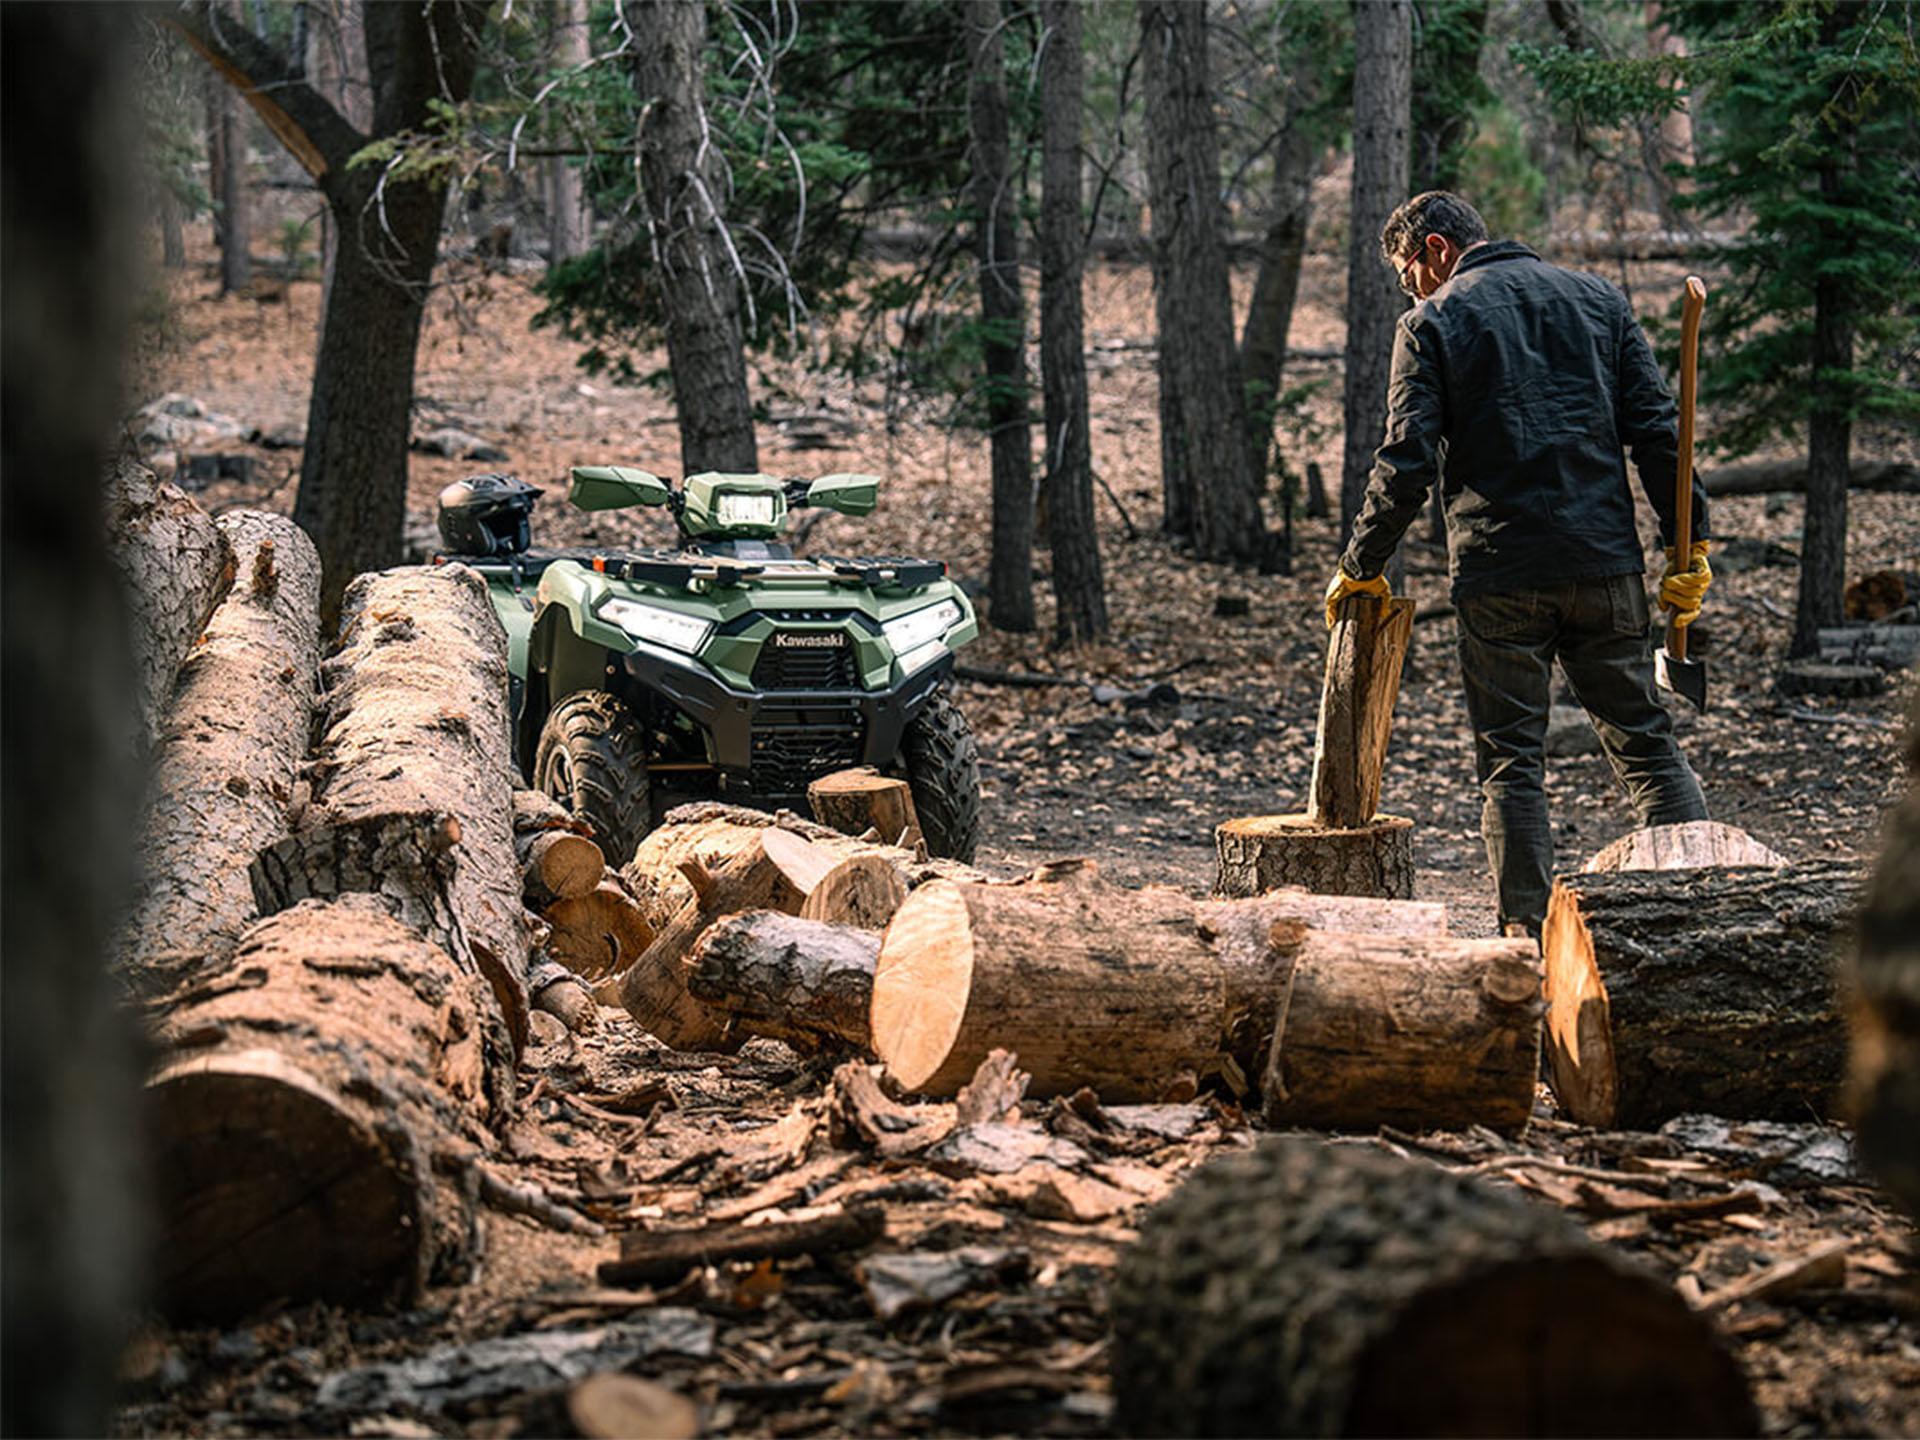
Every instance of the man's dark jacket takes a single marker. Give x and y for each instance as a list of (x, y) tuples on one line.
[(1521, 384)]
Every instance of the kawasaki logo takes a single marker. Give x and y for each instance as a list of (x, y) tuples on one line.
[(810, 640)]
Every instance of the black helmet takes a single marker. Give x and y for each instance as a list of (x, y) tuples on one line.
[(486, 515)]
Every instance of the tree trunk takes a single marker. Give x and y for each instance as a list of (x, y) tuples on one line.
[(1201, 406), (175, 565), (693, 257), (227, 156), (1686, 846), (1823, 546), (412, 787), (313, 1116), (569, 216), (224, 772), (338, 71), (1883, 1090), (1425, 1034), (1308, 1289), (1258, 853), (802, 981), (1382, 60), (1365, 651), (1447, 36), (1679, 990), (995, 203), (1079, 587)]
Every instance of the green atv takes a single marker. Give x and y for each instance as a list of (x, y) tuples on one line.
[(728, 668)]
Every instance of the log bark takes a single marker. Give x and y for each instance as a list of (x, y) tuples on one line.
[(1258, 853), (861, 800), (791, 979), (1883, 1078), (224, 770), (1365, 651), (412, 786), (1120, 997), (177, 565), (1425, 1034), (597, 934), (1687, 846), (314, 1113), (1307, 1289), (1696, 990)]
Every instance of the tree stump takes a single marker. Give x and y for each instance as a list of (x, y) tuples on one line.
[(223, 772), (1682, 990), (1687, 846), (1258, 853), (316, 1100), (862, 799), (1307, 1289), (1424, 1033), (798, 980)]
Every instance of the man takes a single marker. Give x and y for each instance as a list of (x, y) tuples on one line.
[(1520, 384)]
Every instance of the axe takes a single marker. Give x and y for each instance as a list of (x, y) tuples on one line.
[(1671, 667)]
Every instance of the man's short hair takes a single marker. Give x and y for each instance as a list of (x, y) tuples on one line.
[(1436, 212)]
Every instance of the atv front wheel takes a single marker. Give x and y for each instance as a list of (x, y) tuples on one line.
[(941, 763), (592, 758)]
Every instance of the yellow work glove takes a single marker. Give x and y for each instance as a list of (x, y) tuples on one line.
[(1342, 585), (1682, 590)]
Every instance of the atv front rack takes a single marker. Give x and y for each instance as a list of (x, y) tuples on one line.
[(679, 569)]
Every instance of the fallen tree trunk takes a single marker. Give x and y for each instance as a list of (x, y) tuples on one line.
[(798, 980), (1762, 477), (223, 773), (412, 790), (1682, 990), (314, 1114), (1883, 1081), (1308, 1289), (177, 564)]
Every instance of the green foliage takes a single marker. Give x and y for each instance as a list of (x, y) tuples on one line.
[(1449, 96), (1497, 171)]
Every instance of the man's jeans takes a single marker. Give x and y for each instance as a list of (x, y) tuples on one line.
[(1597, 630)]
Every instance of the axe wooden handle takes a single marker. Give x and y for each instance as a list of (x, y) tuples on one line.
[(1691, 307)]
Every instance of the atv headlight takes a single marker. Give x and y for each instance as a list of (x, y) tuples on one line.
[(685, 633), (736, 507), (921, 627)]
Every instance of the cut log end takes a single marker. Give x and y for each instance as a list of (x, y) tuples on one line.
[(922, 982), (1258, 853)]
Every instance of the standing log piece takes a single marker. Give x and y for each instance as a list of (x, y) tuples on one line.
[(558, 861), (313, 1114), (1712, 989), (1687, 846), (223, 773), (1883, 1081), (1258, 853), (178, 565), (862, 799), (1088, 984), (792, 979), (1426, 1034), (412, 784), (1307, 1289)]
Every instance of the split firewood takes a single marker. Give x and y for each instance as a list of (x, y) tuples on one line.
[(558, 861), (862, 799), (412, 788), (786, 978), (653, 1257), (315, 1093), (178, 566), (224, 770), (1696, 990), (600, 933), (1692, 845), (1308, 1289), (1883, 1081)]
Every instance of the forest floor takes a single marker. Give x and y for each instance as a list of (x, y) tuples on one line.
[(1138, 787)]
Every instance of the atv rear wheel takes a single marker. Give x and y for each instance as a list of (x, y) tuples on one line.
[(941, 764), (592, 758)]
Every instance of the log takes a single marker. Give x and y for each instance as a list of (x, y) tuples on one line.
[(1839, 680), (177, 565), (862, 890), (1883, 1076), (1424, 1034), (659, 1257), (224, 769), (412, 786), (313, 1113), (1088, 984), (552, 987), (558, 860), (1365, 650), (1689, 845), (1891, 647), (1307, 1289), (862, 799), (1762, 477), (1258, 853), (1696, 990), (600, 933), (798, 980)]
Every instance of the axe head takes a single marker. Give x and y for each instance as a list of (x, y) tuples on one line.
[(1685, 678)]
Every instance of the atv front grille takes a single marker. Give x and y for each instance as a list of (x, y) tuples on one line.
[(800, 667), (786, 758)]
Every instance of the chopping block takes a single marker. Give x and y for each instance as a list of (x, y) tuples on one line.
[(1341, 844)]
